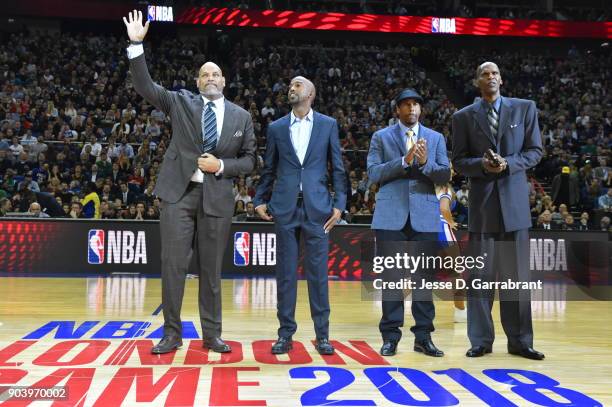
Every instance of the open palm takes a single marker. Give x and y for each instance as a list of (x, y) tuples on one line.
[(136, 31)]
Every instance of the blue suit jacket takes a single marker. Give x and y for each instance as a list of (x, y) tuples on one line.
[(505, 196), (282, 174), (406, 191)]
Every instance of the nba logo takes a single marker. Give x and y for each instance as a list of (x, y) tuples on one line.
[(95, 246), (151, 13), (435, 24), (241, 248)]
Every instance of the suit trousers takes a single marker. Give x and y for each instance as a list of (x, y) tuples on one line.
[(316, 245), (389, 243), (187, 231), (507, 257)]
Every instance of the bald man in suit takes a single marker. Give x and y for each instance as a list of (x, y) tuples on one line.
[(212, 143), (499, 215)]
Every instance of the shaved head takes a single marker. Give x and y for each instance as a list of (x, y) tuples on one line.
[(301, 91), (482, 66), (212, 66), (211, 81), (488, 80)]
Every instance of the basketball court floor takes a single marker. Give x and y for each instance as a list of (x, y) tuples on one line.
[(90, 338)]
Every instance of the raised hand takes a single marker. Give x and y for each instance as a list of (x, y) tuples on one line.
[(135, 30)]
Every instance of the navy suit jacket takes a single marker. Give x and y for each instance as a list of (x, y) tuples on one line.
[(282, 174), (504, 196), (407, 191)]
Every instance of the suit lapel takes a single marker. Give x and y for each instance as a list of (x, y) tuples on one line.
[(399, 139), (285, 124), (505, 112), (224, 137), (480, 115), (197, 107), (316, 129)]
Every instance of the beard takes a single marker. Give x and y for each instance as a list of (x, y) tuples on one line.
[(210, 91), (294, 99)]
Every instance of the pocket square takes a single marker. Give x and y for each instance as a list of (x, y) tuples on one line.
[(238, 133), (513, 125)]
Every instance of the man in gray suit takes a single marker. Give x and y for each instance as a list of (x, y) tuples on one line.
[(499, 213), (212, 143)]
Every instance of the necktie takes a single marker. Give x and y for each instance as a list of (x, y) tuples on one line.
[(493, 119), (209, 127), (410, 140)]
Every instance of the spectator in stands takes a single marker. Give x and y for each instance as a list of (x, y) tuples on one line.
[(105, 167), (90, 201), (463, 192), (95, 148), (5, 161), (5, 206), (35, 211), (604, 224), (584, 222), (140, 211), (605, 201), (16, 148), (250, 210), (603, 172), (28, 183), (565, 188), (242, 196), (76, 210), (546, 223), (152, 213), (568, 223), (126, 196), (239, 211)]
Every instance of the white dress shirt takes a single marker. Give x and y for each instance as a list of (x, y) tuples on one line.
[(134, 51), (300, 131)]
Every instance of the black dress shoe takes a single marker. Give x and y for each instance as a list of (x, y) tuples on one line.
[(282, 345), (167, 344), (427, 347), (216, 344), (528, 353), (389, 348), (477, 351), (324, 347)]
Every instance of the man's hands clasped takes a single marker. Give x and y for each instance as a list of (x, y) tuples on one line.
[(493, 163)]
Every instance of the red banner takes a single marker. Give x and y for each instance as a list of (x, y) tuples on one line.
[(394, 24)]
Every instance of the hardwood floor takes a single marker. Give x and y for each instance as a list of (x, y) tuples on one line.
[(104, 326)]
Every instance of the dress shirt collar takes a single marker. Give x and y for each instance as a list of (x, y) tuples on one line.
[(414, 128), (308, 117), (496, 104), (219, 103)]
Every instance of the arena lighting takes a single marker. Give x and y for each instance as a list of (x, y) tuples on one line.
[(394, 24)]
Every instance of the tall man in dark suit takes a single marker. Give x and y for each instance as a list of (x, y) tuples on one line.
[(299, 148), (406, 160), (498, 206), (212, 143)]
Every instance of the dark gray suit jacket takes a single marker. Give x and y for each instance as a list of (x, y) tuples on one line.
[(236, 144), (504, 196)]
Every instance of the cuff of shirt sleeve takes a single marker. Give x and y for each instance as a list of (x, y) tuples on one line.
[(134, 51), (220, 169)]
